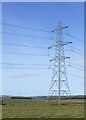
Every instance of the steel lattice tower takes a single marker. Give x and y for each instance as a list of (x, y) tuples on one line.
[(59, 84)]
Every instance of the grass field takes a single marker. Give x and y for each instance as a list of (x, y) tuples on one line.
[(39, 109), (0, 112)]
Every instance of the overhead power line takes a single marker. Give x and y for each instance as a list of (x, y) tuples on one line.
[(74, 37), (77, 68), (22, 68), (25, 35), (77, 65), (79, 53), (24, 27), (37, 29), (32, 54), (75, 75), (78, 50), (28, 46), (24, 54), (6, 63), (20, 45), (33, 65), (11, 64)]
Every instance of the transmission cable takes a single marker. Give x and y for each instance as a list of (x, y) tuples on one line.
[(16, 53), (20, 45), (25, 35), (25, 27)]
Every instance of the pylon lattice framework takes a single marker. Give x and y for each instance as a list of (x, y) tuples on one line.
[(59, 84)]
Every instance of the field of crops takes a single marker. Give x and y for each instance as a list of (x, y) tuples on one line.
[(14, 108)]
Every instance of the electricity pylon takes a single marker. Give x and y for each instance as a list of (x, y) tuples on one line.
[(59, 84)]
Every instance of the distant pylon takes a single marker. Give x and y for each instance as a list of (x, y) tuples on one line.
[(59, 84)]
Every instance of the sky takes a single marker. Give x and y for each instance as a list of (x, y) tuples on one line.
[(43, 1), (23, 75)]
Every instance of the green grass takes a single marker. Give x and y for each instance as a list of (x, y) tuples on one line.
[(39, 109), (0, 111)]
